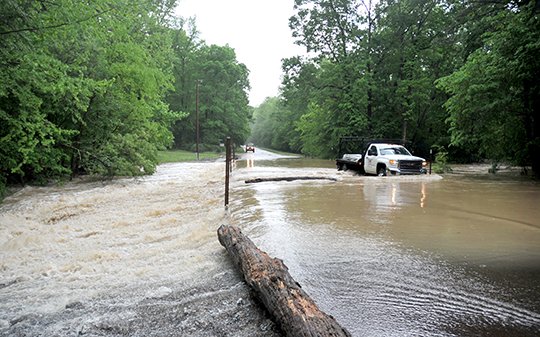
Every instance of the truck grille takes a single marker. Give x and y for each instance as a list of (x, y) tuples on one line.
[(410, 166)]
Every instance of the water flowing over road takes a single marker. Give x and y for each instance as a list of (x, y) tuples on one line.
[(386, 256)]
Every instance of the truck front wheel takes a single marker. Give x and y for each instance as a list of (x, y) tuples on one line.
[(381, 172)]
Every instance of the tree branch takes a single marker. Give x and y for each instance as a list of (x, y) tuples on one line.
[(34, 29)]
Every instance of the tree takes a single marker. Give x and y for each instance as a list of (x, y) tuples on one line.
[(416, 46), (298, 86), (495, 95), (327, 27), (264, 126), (412, 68), (82, 87), (224, 102), (222, 84), (186, 43), (337, 108), (339, 91)]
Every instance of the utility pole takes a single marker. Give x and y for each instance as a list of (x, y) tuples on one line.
[(197, 118)]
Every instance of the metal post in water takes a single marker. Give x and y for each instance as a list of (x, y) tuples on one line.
[(233, 154), (197, 119), (227, 169)]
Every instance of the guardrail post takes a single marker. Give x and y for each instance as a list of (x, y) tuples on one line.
[(197, 123)]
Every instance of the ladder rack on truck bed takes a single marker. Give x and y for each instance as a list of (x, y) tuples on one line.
[(357, 144)]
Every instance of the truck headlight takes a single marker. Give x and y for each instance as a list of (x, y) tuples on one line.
[(424, 163), (392, 162)]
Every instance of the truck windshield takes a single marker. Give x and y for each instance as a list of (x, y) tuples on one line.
[(395, 150)]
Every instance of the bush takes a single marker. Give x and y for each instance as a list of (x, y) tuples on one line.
[(441, 161)]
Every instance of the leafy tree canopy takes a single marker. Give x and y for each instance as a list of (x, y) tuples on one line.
[(101, 86), (460, 77)]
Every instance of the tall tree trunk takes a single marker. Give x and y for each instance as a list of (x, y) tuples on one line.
[(404, 131)]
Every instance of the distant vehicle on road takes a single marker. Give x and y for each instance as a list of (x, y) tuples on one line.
[(250, 147)]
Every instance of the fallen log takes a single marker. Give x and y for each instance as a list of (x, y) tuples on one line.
[(260, 180), (292, 309)]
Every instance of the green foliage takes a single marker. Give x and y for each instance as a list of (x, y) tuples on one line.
[(224, 102), (462, 76), (316, 131), (271, 126), (264, 130), (328, 27), (373, 73), (441, 164), (337, 109), (214, 76), (82, 87), (99, 87), (492, 95), (298, 87), (411, 57)]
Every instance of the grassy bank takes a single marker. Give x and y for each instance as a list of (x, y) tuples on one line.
[(173, 156)]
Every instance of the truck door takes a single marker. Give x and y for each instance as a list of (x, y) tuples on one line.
[(370, 165)]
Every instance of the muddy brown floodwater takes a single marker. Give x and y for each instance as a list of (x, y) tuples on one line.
[(457, 255)]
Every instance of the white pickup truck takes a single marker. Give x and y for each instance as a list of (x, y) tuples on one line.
[(383, 159)]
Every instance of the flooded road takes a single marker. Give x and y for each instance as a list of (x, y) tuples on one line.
[(131, 257), (386, 256), (402, 256)]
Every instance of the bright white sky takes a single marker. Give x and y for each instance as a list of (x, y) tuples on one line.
[(258, 30)]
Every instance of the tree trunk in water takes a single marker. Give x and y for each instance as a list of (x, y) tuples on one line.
[(293, 310), (261, 180)]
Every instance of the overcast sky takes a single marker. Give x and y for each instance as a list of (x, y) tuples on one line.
[(258, 30)]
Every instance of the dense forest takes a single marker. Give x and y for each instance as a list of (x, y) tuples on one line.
[(459, 77), (98, 87)]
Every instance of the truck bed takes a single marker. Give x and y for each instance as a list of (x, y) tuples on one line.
[(350, 161)]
